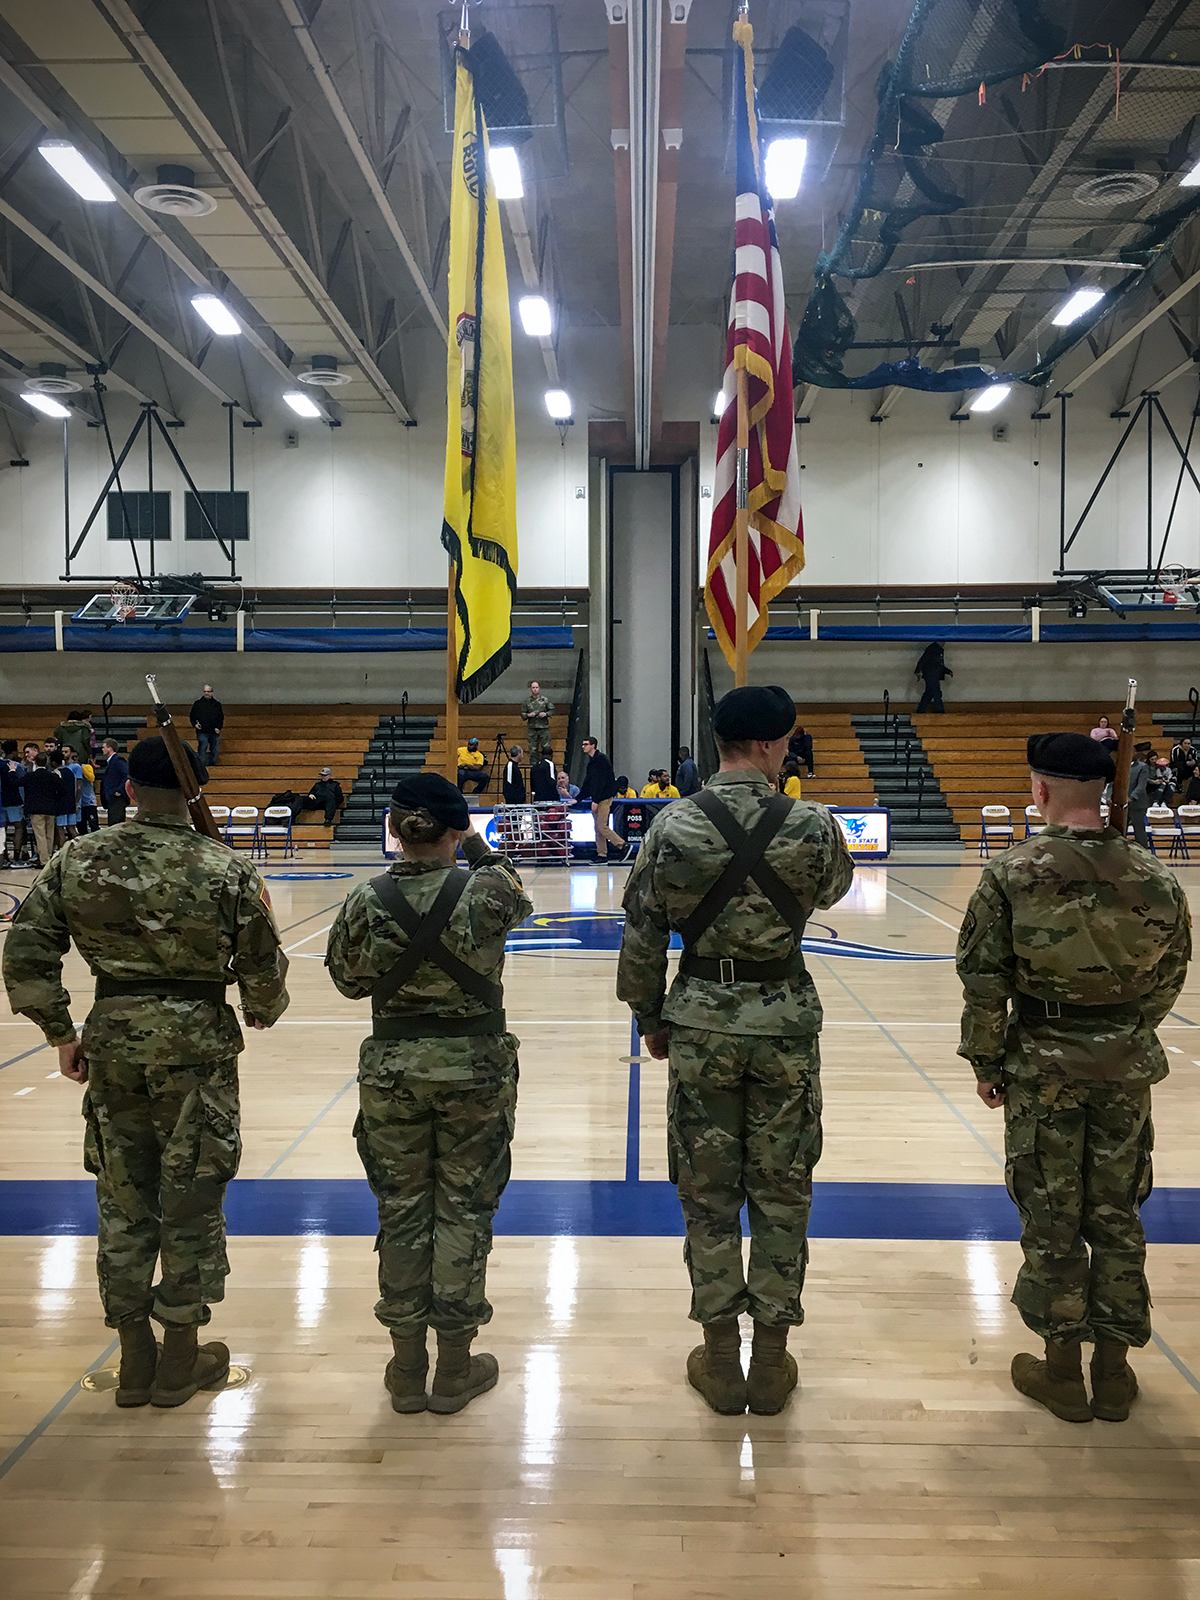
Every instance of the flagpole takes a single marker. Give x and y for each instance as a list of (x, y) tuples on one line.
[(464, 43), (741, 547)]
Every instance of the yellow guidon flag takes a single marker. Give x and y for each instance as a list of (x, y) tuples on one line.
[(479, 528)]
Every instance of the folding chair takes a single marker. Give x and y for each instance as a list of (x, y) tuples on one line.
[(243, 824), (1161, 824), (995, 823), (276, 824), (1034, 821), (220, 815), (1188, 818)]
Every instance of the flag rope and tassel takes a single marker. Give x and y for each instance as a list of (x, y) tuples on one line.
[(756, 541), (479, 525)]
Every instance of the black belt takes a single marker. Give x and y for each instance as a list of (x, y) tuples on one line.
[(431, 1026), (160, 988), (728, 970), (1037, 1009)]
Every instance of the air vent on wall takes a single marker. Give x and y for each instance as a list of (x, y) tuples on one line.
[(175, 194), (1116, 189), (322, 373), (52, 379)]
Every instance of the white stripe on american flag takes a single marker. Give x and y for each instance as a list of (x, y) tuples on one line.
[(750, 258)]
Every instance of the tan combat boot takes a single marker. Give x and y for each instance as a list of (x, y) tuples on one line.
[(459, 1376), (139, 1359), (715, 1367), (186, 1366), (1114, 1387), (772, 1375), (405, 1377), (1056, 1382)]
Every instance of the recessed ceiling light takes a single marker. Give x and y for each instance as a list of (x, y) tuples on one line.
[(505, 169), (989, 399), (47, 406), (558, 404), (1072, 309), (719, 404), (301, 404), (535, 316), (784, 167), (217, 314), (73, 168)]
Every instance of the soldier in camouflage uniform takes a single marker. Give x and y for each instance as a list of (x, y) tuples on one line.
[(1088, 937), (437, 1083), (165, 918), (537, 711), (739, 1027)]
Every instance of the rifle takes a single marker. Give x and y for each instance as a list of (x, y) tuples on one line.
[(1118, 814), (202, 818)]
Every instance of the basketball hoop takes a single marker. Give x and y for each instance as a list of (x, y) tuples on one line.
[(123, 598)]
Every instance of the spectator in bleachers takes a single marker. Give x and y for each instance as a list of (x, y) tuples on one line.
[(543, 778), (1104, 734), (789, 779), (800, 748), (207, 716), (325, 795), (112, 783), (931, 669), (1183, 755), (41, 805), (564, 789), (12, 804), (472, 768), (1191, 786), (687, 774), (76, 734), (1162, 781), (513, 782)]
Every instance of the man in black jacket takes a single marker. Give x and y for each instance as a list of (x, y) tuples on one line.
[(112, 785), (41, 803), (325, 795), (208, 718), (600, 787)]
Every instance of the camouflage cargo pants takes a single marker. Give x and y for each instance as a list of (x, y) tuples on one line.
[(744, 1125), (539, 740), (1079, 1168), (163, 1142), (437, 1158)]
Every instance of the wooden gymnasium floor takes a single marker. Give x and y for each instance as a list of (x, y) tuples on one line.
[(905, 1464)]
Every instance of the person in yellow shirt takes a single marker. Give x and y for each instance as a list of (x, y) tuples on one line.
[(660, 787), (624, 792), (472, 768), (789, 780)]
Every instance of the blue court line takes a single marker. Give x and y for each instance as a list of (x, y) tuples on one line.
[(300, 1138), (12, 1060), (341, 1207), (633, 1123), (56, 1410)]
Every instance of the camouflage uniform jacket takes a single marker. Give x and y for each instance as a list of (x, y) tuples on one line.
[(149, 898), (682, 856), (365, 942), (537, 711), (1080, 916)]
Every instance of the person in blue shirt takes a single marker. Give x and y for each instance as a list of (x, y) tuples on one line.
[(70, 776), (12, 804)]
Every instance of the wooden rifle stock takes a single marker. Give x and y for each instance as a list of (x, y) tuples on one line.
[(202, 818), (1118, 815)]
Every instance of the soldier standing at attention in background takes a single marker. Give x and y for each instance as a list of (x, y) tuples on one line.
[(737, 870), (166, 919), (537, 711), (437, 1082), (1089, 938)]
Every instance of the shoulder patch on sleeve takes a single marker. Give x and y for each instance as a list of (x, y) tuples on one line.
[(264, 895)]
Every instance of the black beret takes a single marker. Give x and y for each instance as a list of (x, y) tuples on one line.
[(1070, 755), (428, 791), (150, 764), (762, 712)]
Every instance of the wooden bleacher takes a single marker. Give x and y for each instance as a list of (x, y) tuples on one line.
[(264, 750), (842, 778), (484, 722), (978, 751)]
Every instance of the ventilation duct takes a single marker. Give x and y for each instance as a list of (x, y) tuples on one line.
[(175, 194)]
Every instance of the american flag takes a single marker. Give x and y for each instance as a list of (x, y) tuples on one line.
[(757, 341)]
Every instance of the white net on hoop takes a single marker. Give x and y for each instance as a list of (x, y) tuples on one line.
[(124, 599)]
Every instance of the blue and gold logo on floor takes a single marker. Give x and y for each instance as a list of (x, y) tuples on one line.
[(600, 932)]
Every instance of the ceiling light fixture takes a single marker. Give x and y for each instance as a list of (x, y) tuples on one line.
[(217, 314), (45, 404), (505, 169), (73, 168), (535, 316), (1191, 178), (1073, 308), (719, 404), (784, 167), (558, 404), (301, 404), (989, 399)]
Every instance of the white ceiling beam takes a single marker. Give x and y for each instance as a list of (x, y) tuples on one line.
[(38, 324)]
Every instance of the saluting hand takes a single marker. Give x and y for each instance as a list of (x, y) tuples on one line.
[(72, 1062)]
